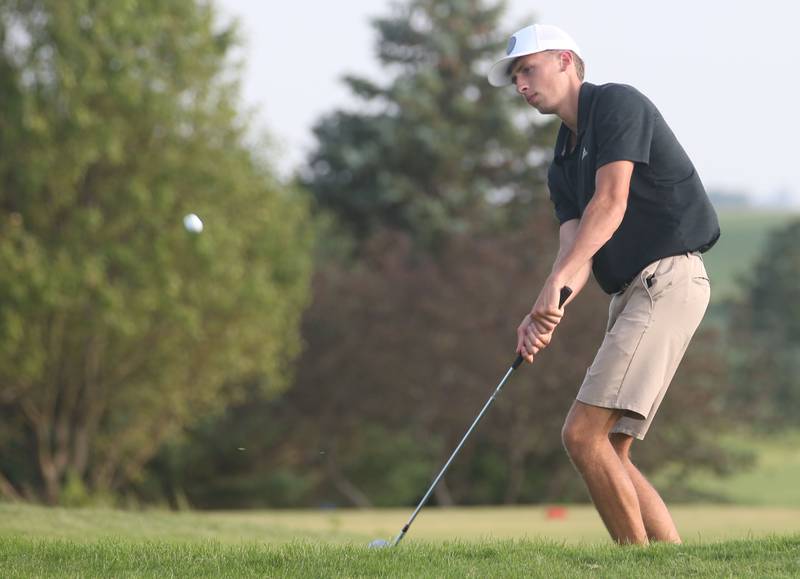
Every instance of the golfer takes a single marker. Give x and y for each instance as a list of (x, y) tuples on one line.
[(634, 212)]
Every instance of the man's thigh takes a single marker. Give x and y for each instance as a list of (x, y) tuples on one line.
[(588, 420)]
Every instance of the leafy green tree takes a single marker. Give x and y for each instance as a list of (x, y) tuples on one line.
[(432, 149), (117, 326), (765, 332)]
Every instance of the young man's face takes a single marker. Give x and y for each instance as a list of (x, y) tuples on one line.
[(538, 79)]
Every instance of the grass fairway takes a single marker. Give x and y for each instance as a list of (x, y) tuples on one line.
[(773, 481), (580, 525), (744, 234), (459, 542), (21, 557)]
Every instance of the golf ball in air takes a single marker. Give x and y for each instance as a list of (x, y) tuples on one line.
[(193, 223), (378, 544)]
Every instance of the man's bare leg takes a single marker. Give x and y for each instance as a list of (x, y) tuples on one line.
[(585, 437), (657, 520)]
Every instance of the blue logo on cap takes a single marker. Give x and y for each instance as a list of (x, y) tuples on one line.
[(512, 42)]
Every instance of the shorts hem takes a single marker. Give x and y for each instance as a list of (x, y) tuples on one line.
[(628, 432), (613, 405)]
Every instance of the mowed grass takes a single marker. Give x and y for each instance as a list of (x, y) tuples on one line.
[(579, 525), (458, 542), (774, 479), (23, 557)]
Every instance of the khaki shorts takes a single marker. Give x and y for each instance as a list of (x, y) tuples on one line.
[(649, 328)]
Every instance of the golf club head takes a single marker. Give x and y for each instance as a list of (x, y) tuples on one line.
[(379, 544)]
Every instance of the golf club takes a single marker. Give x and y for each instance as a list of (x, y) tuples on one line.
[(379, 543)]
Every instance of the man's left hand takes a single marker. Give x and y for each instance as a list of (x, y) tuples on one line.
[(546, 314)]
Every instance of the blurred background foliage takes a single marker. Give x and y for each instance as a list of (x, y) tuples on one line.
[(328, 338), (118, 328)]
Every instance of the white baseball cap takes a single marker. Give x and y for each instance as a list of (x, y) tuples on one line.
[(529, 40)]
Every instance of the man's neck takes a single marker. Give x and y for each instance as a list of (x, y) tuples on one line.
[(568, 112)]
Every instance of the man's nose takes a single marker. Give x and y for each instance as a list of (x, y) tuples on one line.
[(522, 86)]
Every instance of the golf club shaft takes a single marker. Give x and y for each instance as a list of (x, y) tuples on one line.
[(565, 293), (452, 456)]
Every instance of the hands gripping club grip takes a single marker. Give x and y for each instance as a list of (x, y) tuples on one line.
[(563, 297)]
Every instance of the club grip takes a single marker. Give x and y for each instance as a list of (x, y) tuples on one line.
[(563, 297)]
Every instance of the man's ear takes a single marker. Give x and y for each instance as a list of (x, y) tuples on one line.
[(564, 59)]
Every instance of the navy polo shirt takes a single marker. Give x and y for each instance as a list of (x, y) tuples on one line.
[(668, 210)]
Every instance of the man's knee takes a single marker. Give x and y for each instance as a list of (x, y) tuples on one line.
[(586, 430), (578, 441), (570, 437)]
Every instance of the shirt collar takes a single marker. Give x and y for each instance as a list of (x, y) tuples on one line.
[(585, 97)]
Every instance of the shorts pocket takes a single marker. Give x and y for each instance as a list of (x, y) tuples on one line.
[(701, 275), (665, 275)]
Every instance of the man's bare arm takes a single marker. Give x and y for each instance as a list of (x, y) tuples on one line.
[(600, 220), (567, 235), (532, 336)]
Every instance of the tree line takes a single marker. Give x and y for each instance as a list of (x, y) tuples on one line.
[(327, 339)]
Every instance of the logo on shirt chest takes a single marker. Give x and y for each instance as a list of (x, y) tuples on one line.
[(584, 153)]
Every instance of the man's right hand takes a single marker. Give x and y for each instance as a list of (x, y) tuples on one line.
[(530, 340)]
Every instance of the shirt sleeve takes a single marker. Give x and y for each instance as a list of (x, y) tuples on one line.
[(565, 207), (624, 123)]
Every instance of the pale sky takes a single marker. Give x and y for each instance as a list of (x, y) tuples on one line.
[(723, 74)]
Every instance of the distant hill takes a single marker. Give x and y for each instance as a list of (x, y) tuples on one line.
[(744, 232), (727, 200)]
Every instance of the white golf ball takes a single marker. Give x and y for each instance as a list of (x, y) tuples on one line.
[(193, 223)]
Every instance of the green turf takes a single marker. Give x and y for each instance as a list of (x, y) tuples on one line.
[(459, 542), (25, 557), (580, 525), (774, 479), (743, 235)]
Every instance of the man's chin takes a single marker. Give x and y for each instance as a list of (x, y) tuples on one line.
[(541, 107)]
